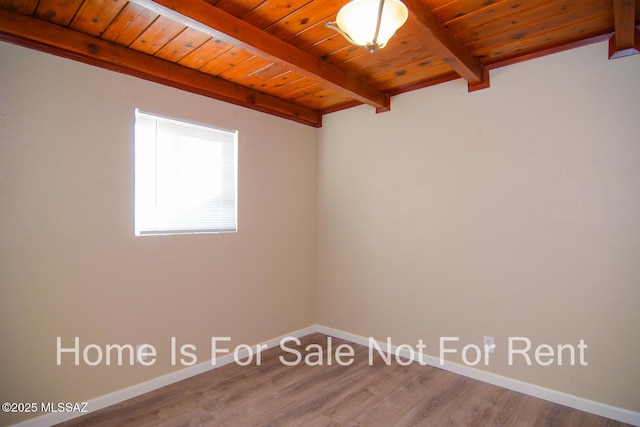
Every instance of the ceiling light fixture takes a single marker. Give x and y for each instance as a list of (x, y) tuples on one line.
[(370, 23)]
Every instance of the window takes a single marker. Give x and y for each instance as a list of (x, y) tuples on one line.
[(185, 177)]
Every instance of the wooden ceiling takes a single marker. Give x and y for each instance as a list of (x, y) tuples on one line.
[(277, 56)]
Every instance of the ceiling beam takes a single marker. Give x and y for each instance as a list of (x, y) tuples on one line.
[(626, 40), (41, 35), (436, 37), (215, 22)]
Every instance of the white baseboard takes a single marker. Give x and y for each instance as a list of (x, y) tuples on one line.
[(586, 405), (597, 408), (156, 383)]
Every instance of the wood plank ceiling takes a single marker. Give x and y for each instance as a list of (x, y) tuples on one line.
[(278, 57)]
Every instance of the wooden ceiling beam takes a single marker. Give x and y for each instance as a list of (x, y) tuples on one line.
[(215, 22), (443, 44), (626, 40), (41, 35)]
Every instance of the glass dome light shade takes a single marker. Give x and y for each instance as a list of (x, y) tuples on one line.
[(359, 19)]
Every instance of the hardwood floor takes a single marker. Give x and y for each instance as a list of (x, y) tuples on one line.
[(273, 394)]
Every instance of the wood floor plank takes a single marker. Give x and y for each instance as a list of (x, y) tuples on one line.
[(331, 395)]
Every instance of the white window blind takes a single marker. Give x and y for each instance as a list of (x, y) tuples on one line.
[(185, 177)]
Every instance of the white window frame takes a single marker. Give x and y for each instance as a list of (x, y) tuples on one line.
[(185, 175)]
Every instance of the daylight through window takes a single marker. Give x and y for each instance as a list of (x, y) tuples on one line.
[(185, 177)]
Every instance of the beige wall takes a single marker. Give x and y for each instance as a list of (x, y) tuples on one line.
[(70, 264), (512, 211)]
